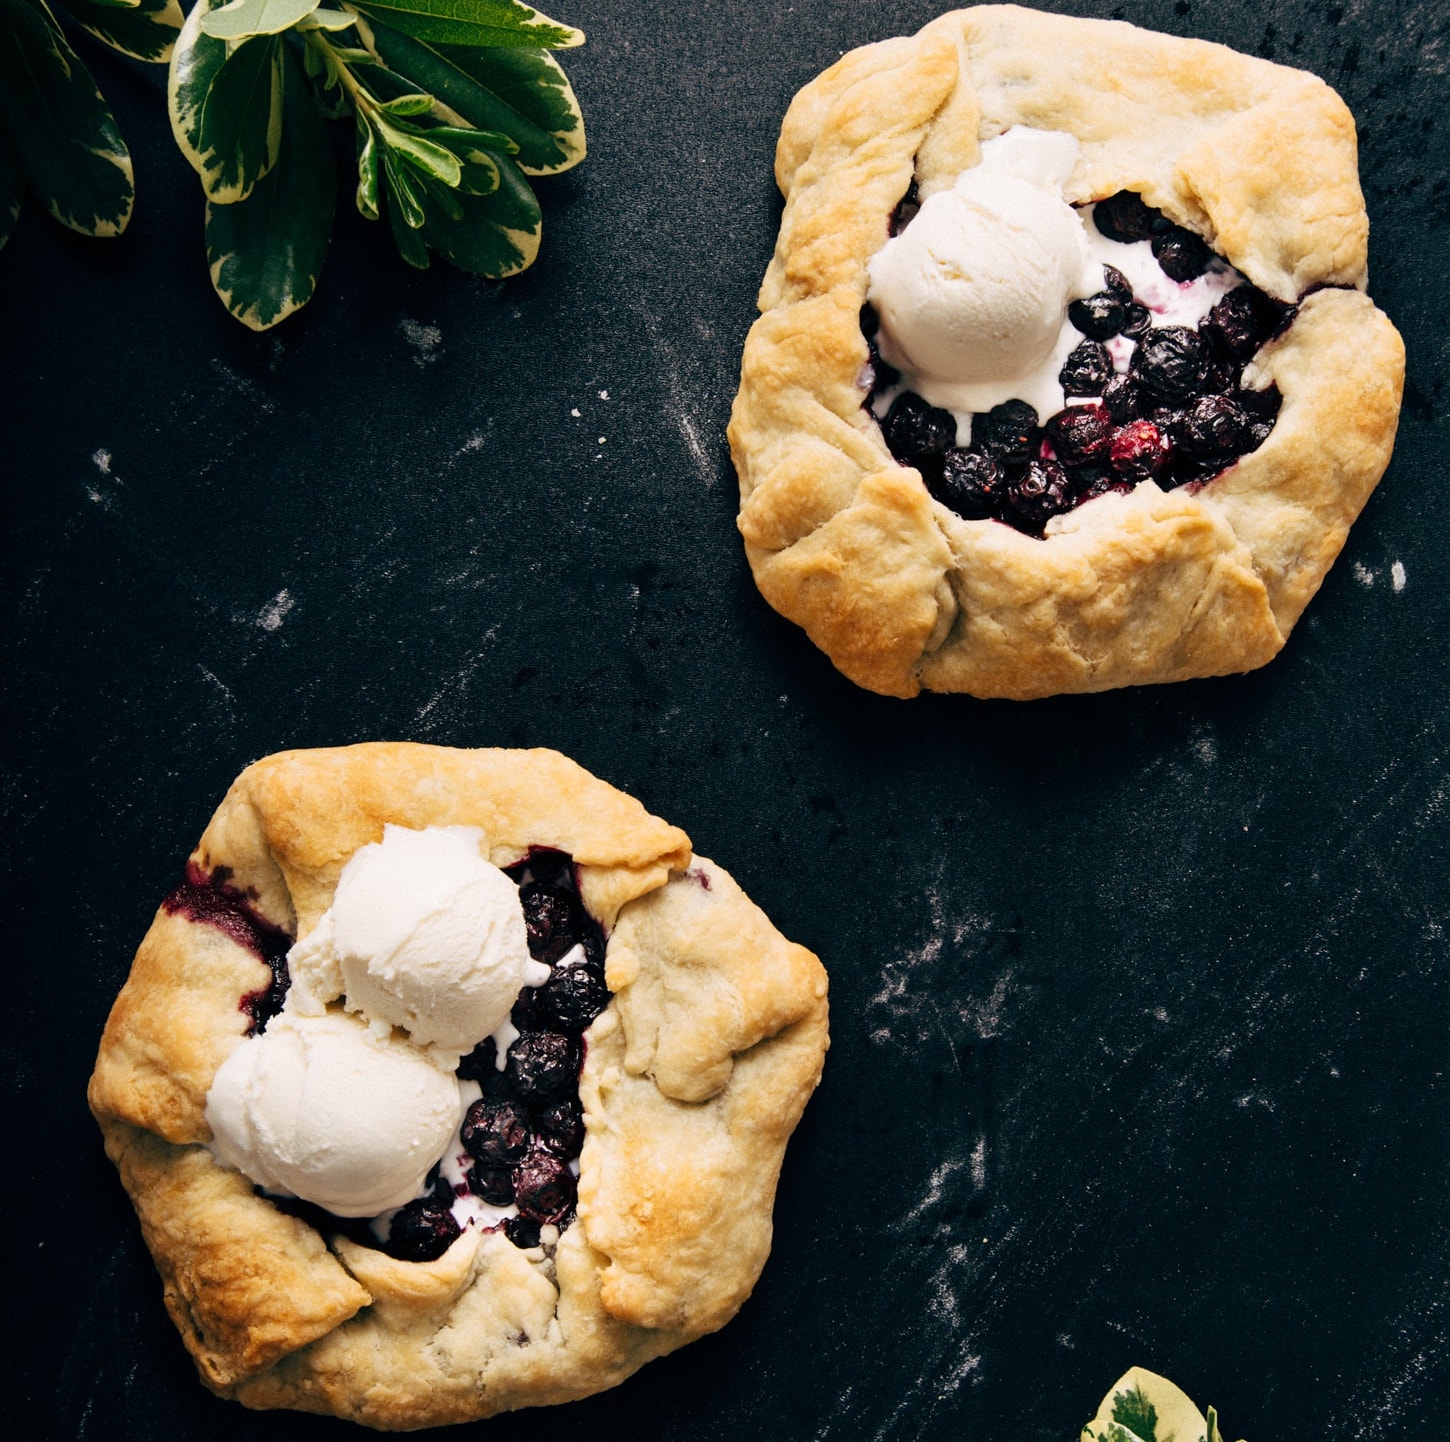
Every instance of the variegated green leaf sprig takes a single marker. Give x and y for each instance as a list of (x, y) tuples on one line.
[(58, 137), (1144, 1407), (455, 103)]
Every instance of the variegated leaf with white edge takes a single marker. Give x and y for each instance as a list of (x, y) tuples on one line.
[(195, 61), (267, 251), (240, 18), (145, 30), (57, 127), (519, 91), (241, 121)]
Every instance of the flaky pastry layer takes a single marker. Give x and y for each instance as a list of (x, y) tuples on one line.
[(693, 1079), (900, 592)]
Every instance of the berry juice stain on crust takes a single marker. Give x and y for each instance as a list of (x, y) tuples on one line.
[(210, 899), (1161, 403)]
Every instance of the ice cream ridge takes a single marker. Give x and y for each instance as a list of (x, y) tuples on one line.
[(349, 1098)]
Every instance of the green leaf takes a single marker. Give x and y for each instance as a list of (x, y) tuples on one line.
[(12, 192), (241, 121), (240, 18), (408, 105), (116, 4), (430, 159), (497, 236), (195, 61), (473, 22), (266, 252), (531, 87), (460, 80), (61, 133), (405, 189), (324, 19), (367, 170), (410, 243), (479, 169), (145, 29), (1134, 1411)]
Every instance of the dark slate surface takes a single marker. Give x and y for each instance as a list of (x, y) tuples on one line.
[(1140, 1001)]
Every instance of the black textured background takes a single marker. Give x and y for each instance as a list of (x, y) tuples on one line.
[(1141, 1004)]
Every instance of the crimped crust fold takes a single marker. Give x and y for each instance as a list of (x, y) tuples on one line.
[(674, 1221), (900, 592)]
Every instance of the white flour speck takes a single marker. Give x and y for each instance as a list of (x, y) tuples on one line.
[(1397, 576), (601, 440), (575, 411), (102, 459), (604, 395), (272, 614), (1363, 574), (425, 339)]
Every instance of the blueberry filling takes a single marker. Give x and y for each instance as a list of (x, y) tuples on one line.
[(211, 899), (1162, 403), (523, 1137)]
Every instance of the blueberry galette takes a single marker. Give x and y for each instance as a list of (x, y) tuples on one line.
[(450, 1082), (1065, 377)]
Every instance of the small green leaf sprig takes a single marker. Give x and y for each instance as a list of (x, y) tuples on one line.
[(455, 104), (58, 137), (1144, 1407)]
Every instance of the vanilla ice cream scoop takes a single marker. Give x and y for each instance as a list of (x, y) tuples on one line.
[(973, 294), (423, 933), (324, 1109)]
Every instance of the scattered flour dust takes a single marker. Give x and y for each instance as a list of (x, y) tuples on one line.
[(102, 459), (1363, 574), (272, 615), (426, 340)]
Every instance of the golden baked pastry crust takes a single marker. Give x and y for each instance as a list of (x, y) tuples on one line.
[(899, 591), (693, 1080)]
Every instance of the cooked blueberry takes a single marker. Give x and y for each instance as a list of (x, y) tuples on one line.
[(1137, 321), (1041, 492), (479, 1066), (1220, 377), (421, 1232), (1241, 322), (906, 209), (1092, 482), (1124, 217), (1215, 428), (1007, 433), (1080, 434), (544, 1063), (1099, 316), (1139, 451), (882, 375), (572, 997), (554, 919), (544, 1187), (1263, 405), (495, 1132), (494, 1184), (971, 484), (560, 1127), (913, 428), (1123, 399), (1170, 362), (1116, 283), (1087, 370), (1181, 254), (522, 1231), (870, 321)]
